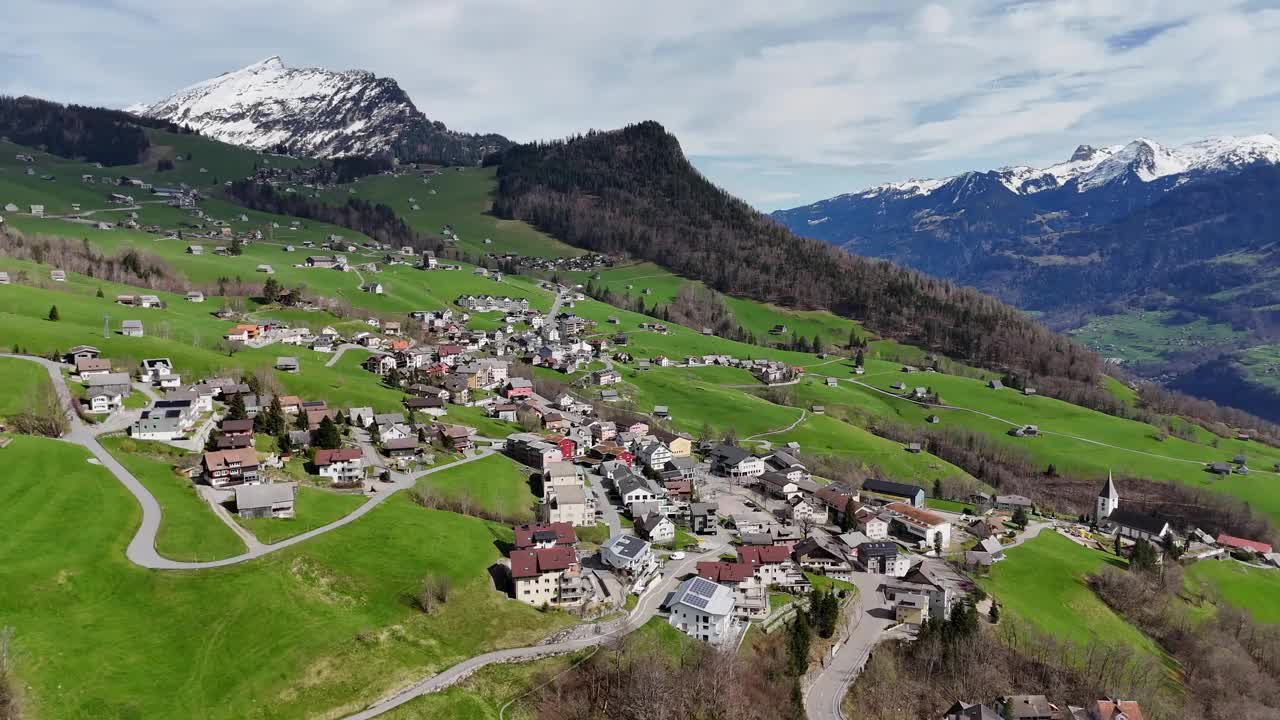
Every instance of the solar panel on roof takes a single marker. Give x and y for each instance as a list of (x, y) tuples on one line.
[(696, 601), (702, 587)]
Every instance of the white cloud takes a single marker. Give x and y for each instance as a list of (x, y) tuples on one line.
[(884, 89)]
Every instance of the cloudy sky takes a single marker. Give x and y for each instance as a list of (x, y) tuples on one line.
[(781, 101)]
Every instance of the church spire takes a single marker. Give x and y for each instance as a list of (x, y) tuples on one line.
[(1109, 490)]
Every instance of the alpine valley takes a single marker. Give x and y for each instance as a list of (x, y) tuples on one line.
[(1159, 258)]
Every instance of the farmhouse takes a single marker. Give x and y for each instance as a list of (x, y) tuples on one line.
[(885, 491), (536, 535), (230, 467)]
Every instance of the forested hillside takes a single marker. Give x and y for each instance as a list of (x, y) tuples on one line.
[(110, 137), (632, 191)]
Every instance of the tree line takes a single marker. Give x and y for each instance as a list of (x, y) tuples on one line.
[(376, 220), (110, 137), (631, 192)]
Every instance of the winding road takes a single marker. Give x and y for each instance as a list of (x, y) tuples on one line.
[(645, 609), (142, 548)]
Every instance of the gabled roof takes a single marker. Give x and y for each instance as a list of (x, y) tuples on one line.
[(328, 457), (725, 572), (263, 495), (222, 459), (1254, 545), (1138, 520), (531, 563), (763, 554), (729, 454), (887, 487), (530, 534), (1109, 490)]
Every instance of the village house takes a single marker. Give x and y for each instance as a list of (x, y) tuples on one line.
[(341, 466), (222, 468), (569, 504), (734, 462), (537, 535), (750, 594), (548, 576), (89, 366), (131, 328), (656, 528), (824, 555), (702, 609), (628, 555), (929, 527)]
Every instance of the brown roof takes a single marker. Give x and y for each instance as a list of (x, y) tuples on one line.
[(237, 426), (454, 431), (401, 443), (531, 563), (527, 535), (222, 459), (328, 457), (725, 572), (1111, 709), (924, 517), (763, 554), (92, 364), (290, 400), (835, 496)]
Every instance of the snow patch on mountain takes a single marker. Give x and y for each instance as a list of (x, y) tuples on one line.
[(1092, 167), (315, 112)]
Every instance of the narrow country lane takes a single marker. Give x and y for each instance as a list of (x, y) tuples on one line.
[(142, 548)]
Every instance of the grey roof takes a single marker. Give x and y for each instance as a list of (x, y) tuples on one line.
[(1109, 490), (631, 482), (887, 487), (259, 496), (626, 546), (109, 379), (570, 495), (704, 596), (729, 454), (1137, 520)]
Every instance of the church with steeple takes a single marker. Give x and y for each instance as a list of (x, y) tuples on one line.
[(1108, 501), (1109, 518)]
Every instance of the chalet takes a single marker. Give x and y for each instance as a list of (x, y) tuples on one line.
[(89, 366), (375, 288), (195, 296), (1013, 502), (131, 328), (344, 465), (400, 447), (1028, 707), (230, 467), (455, 437), (824, 555)]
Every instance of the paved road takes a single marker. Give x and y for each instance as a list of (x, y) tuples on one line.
[(608, 510), (868, 620), (337, 353), (645, 609), (142, 548), (803, 414)]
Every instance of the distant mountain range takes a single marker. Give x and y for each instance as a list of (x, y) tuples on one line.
[(1191, 229), (317, 113)]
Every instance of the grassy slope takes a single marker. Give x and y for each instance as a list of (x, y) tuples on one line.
[(1171, 459), (188, 530), (463, 198), (299, 633), (1256, 590), (313, 507), (1042, 583), (495, 484), (24, 381)]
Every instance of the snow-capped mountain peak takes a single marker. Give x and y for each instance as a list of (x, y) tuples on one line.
[(315, 112), (1093, 167)]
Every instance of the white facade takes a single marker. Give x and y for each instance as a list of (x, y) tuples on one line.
[(703, 610)]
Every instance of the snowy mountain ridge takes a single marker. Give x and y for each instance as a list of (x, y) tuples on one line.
[(317, 113), (1092, 167)]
